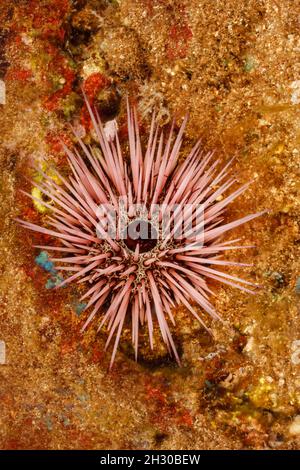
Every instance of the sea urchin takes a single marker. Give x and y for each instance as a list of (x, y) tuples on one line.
[(144, 231)]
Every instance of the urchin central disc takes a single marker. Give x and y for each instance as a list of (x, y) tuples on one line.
[(140, 232)]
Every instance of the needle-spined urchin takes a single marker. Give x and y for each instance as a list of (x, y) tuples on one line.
[(136, 260)]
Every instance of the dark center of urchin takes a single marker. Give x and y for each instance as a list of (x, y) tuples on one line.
[(142, 233)]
